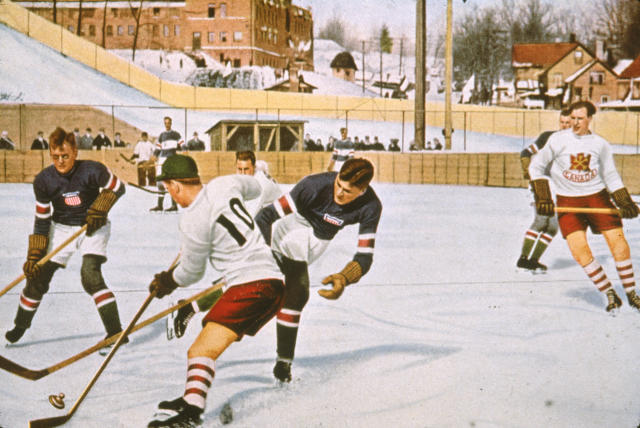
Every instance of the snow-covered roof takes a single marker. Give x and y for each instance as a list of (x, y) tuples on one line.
[(622, 65), (581, 70), (553, 92)]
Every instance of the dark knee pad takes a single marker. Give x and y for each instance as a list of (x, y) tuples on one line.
[(91, 273), (296, 276), (38, 287)]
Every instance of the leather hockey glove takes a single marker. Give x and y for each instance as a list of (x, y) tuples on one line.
[(97, 212), (524, 162), (542, 196), (628, 208), (37, 249), (351, 273), (163, 283)]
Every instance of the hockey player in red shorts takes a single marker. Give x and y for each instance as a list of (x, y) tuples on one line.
[(585, 176), (216, 227)]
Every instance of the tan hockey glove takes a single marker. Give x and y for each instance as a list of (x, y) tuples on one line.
[(622, 198), (351, 273), (37, 249), (524, 162), (97, 212), (542, 196)]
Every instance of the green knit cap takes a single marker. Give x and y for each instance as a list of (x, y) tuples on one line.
[(177, 167)]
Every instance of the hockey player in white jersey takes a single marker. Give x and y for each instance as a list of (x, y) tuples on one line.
[(585, 176), (246, 164), (215, 226)]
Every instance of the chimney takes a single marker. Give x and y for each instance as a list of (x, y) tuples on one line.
[(294, 80), (572, 38), (600, 53)]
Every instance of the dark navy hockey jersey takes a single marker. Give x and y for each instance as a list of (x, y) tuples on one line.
[(537, 145), (312, 198), (70, 195)]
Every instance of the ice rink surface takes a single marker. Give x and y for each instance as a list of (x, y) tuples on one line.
[(444, 331)]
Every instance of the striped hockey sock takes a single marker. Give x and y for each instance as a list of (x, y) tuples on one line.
[(530, 237), (625, 272), (595, 272), (26, 311), (287, 322), (541, 246), (200, 374), (108, 309)]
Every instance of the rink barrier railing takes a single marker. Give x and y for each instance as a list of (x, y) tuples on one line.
[(23, 121), (475, 169), (617, 127)]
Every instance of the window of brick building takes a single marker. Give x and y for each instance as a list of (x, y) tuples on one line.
[(88, 13), (109, 30), (120, 30), (92, 30), (236, 63), (176, 30), (596, 78), (211, 11), (211, 37), (131, 30), (114, 12), (154, 30), (165, 30), (223, 10), (223, 36), (156, 11), (604, 99), (577, 57), (70, 28), (237, 36)]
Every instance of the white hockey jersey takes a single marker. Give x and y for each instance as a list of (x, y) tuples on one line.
[(580, 164), (217, 227)]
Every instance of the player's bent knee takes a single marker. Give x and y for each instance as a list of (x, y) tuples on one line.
[(91, 273), (212, 341)]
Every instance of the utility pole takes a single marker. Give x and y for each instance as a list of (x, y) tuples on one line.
[(363, 66), (401, 51), (380, 66), (421, 40), (448, 71)]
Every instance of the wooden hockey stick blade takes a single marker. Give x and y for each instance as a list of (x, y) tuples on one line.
[(23, 372), (59, 420), (127, 159), (45, 258), (145, 189), (581, 210)]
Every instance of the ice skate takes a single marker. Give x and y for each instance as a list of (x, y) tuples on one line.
[(104, 351), (535, 265), (182, 319), (282, 371), (157, 208), (186, 416), (633, 299), (613, 301), (15, 334), (523, 263)]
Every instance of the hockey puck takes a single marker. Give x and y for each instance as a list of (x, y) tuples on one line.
[(57, 401), (226, 414)]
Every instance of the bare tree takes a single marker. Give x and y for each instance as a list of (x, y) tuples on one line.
[(136, 13), (79, 29), (616, 23), (104, 24)]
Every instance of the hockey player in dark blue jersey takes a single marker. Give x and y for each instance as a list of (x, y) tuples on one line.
[(541, 232), (169, 142), (299, 227), (69, 194)]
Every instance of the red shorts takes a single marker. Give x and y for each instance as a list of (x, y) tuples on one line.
[(571, 222), (246, 308)]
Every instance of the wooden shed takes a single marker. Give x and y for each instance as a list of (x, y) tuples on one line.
[(257, 135)]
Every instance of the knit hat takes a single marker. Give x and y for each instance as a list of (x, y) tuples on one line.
[(177, 167)]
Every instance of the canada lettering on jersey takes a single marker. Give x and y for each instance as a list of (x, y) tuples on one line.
[(579, 171)]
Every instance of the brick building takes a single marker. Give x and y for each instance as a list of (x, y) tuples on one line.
[(242, 32)]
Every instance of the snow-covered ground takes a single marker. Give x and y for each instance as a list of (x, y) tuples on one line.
[(443, 331)]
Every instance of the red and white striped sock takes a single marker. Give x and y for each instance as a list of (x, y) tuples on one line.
[(625, 272), (595, 272), (200, 374)]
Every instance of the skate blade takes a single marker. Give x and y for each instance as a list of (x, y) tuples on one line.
[(170, 331)]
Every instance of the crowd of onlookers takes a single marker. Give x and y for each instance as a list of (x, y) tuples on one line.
[(85, 141), (311, 145)]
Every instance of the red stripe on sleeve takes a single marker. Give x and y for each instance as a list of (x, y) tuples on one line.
[(284, 203), (366, 243)]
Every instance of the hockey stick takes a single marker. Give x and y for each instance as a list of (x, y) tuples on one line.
[(145, 189), (45, 258), (59, 420), (30, 374), (581, 210), (127, 159)]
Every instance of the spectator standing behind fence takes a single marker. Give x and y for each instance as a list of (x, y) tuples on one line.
[(377, 145), (143, 154), (342, 150), (86, 141), (330, 143), (117, 142), (393, 146), (5, 142), (40, 143), (101, 140), (195, 144)]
